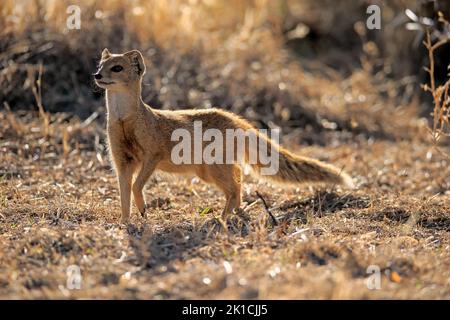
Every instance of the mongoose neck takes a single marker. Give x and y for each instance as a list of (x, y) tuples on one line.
[(122, 104)]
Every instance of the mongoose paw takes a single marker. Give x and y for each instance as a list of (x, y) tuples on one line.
[(144, 211)]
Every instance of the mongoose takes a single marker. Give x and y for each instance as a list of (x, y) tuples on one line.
[(140, 140)]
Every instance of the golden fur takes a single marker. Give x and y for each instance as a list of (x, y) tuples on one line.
[(140, 140)]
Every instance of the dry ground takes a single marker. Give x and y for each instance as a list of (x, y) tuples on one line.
[(338, 88), (59, 206)]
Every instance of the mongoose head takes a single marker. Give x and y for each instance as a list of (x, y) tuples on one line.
[(120, 71)]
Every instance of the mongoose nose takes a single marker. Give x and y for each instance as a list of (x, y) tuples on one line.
[(98, 76)]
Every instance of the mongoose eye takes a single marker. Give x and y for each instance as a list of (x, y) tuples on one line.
[(116, 68)]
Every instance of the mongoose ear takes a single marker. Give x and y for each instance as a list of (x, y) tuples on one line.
[(105, 54), (136, 61)]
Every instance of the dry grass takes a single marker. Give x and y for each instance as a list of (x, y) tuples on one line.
[(234, 55), (441, 100), (56, 211), (59, 202)]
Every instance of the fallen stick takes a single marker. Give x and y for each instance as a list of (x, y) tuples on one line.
[(267, 208)]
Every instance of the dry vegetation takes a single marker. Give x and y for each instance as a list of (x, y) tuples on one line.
[(439, 92), (336, 99)]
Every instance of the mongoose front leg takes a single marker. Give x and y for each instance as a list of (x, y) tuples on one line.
[(145, 172), (125, 177)]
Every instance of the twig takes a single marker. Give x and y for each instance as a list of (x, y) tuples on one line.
[(267, 208), (440, 94), (37, 92)]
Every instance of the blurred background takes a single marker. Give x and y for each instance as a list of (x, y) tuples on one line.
[(310, 67), (359, 99)]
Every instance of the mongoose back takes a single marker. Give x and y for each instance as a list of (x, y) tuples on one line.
[(140, 140)]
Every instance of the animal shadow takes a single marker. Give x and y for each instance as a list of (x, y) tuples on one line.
[(321, 204), (182, 240)]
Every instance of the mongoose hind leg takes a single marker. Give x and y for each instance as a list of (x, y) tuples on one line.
[(228, 179), (233, 203)]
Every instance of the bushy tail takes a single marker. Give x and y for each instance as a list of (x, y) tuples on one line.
[(294, 169)]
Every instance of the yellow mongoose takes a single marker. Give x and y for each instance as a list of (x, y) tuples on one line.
[(140, 140)]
